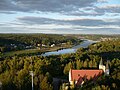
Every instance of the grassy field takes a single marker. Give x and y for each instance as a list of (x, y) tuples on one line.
[(22, 52)]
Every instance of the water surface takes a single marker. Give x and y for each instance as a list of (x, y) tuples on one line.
[(84, 44)]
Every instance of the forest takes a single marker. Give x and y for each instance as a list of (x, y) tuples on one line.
[(15, 70)]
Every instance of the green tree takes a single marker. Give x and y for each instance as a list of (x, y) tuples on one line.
[(44, 85), (67, 68)]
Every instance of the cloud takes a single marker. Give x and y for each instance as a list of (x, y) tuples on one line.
[(7, 12), (97, 10), (86, 11), (108, 9), (82, 22), (67, 28), (66, 7), (102, 0), (77, 16), (37, 20), (10, 6), (44, 5)]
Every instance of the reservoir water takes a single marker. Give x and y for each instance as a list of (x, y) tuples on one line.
[(84, 44)]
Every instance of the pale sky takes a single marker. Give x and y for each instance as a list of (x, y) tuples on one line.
[(60, 16)]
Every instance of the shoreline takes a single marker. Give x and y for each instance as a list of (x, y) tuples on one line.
[(36, 51)]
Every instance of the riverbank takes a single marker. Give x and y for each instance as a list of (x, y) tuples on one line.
[(73, 49), (46, 51), (35, 51)]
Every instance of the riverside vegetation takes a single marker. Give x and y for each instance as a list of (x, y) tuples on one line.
[(14, 70), (30, 44)]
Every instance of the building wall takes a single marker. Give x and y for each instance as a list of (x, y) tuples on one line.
[(102, 67)]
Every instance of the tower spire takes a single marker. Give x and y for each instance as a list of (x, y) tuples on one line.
[(101, 66), (101, 62), (107, 66), (107, 71)]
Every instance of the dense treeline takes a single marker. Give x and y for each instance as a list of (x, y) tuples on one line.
[(97, 37), (14, 71), (11, 42)]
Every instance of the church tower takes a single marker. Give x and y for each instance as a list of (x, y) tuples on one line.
[(101, 66), (107, 71)]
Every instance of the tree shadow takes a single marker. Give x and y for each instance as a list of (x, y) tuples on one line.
[(108, 55)]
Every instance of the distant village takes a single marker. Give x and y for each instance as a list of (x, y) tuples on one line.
[(38, 45), (106, 39)]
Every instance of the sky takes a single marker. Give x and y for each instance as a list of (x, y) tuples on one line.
[(60, 16)]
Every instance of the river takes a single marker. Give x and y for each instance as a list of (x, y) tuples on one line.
[(84, 44)]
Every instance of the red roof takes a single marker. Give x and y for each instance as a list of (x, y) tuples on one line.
[(80, 75)]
